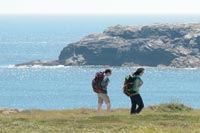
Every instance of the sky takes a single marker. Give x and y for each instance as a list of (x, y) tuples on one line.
[(99, 7)]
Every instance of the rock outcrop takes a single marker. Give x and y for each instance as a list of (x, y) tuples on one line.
[(8, 111), (39, 63), (174, 45)]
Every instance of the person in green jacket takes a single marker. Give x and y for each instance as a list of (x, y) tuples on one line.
[(136, 99)]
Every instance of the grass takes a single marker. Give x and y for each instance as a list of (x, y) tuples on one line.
[(170, 118)]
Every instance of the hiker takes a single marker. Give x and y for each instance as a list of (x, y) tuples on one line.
[(100, 83), (132, 87)]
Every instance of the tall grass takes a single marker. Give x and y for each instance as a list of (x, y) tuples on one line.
[(155, 119)]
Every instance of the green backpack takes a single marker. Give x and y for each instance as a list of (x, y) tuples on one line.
[(128, 85)]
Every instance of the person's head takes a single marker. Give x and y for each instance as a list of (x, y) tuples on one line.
[(139, 72), (108, 72)]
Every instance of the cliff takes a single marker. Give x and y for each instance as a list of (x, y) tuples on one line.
[(174, 45)]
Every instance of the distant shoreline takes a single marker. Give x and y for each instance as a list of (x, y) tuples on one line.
[(42, 64)]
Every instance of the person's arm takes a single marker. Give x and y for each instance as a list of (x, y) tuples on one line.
[(138, 84), (105, 82)]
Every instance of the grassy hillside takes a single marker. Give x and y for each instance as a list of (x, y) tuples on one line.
[(163, 118)]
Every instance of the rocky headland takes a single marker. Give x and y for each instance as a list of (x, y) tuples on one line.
[(167, 45)]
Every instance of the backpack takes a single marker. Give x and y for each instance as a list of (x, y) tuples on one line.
[(96, 82), (128, 85)]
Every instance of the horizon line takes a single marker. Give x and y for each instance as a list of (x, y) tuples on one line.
[(66, 14)]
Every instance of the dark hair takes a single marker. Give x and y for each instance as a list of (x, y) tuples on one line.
[(138, 71), (108, 71)]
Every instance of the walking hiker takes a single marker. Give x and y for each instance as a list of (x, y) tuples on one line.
[(131, 88), (99, 84)]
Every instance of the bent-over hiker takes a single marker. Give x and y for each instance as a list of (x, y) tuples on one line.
[(99, 84)]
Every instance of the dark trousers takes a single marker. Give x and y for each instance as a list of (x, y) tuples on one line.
[(136, 101)]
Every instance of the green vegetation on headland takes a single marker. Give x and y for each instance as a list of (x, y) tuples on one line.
[(162, 118)]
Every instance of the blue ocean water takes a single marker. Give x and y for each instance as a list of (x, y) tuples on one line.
[(26, 38), (70, 87)]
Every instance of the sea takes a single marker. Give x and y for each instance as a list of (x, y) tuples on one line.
[(41, 37)]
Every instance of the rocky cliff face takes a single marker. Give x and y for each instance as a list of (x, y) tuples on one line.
[(175, 45)]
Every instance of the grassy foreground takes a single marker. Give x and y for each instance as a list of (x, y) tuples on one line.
[(156, 119)]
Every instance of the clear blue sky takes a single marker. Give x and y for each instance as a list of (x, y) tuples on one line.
[(99, 7)]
